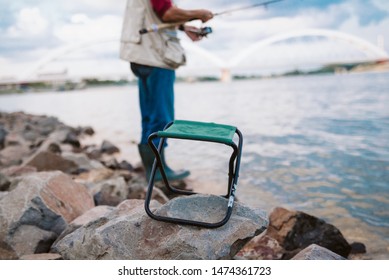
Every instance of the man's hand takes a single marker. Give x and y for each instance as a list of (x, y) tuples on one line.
[(205, 15)]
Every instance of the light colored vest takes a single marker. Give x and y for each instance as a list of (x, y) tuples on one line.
[(159, 49)]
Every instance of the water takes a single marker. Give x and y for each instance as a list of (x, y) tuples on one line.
[(317, 144)]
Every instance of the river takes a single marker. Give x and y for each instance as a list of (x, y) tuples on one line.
[(318, 144)]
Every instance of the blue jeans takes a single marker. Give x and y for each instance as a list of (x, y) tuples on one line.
[(156, 98)]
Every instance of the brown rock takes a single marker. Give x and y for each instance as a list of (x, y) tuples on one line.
[(18, 170), (95, 175), (295, 230), (48, 161), (34, 213), (262, 247), (13, 155)]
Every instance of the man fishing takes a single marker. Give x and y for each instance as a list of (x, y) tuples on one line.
[(153, 58)]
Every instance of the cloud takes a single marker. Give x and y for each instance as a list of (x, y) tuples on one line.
[(369, 12), (95, 7), (30, 30), (29, 23), (80, 27), (241, 32), (369, 32)]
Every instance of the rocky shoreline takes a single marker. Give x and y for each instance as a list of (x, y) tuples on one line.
[(61, 199)]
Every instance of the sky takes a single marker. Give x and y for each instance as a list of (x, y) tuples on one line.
[(58, 34)]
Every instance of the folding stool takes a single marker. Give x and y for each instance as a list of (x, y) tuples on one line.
[(197, 131)]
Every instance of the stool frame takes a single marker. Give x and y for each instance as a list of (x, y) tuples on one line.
[(233, 174)]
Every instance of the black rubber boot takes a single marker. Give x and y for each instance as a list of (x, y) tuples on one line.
[(148, 157)]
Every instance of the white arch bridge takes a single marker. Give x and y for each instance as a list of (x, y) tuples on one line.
[(367, 51)]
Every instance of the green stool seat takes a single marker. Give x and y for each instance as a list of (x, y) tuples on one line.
[(196, 131), (201, 131)]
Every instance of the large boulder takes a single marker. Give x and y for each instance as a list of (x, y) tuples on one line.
[(290, 232), (126, 232), (37, 210), (296, 230)]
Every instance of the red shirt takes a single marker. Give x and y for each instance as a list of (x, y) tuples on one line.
[(161, 6)]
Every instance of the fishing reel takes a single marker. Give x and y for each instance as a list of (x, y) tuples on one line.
[(204, 31)]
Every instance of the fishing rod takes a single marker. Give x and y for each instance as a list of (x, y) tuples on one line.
[(247, 7), (204, 31)]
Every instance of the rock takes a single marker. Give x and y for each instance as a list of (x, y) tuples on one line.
[(35, 213), (82, 161), (18, 170), (4, 182), (88, 130), (45, 125), (48, 161), (63, 135), (157, 194), (128, 233), (111, 192), (72, 139), (138, 188), (57, 136), (48, 158), (3, 134), (3, 194), (109, 148), (15, 139), (13, 155), (50, 144), (92, 152), (111, 164), (126, 174), (315, 252), (126, 165), (31, 135), (95, 175), (177, 184), (295, 230), (54, 148), (30, 127), (115, 190), (358, 248), (84, 219), (262, 247), (137, 191)]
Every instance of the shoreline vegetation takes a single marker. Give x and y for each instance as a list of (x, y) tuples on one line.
[(64, 84), (62, 199)]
